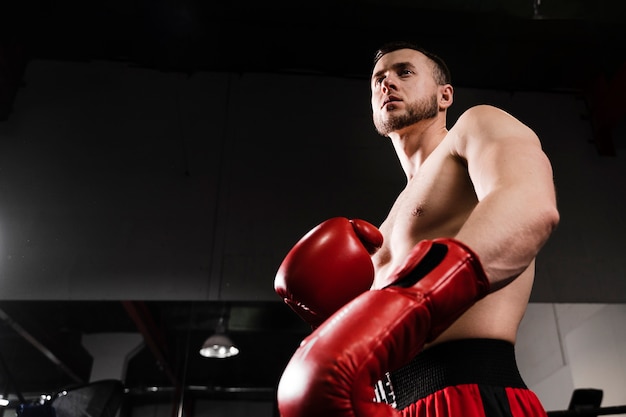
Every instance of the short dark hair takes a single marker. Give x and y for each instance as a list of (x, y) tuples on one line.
[(441, 72)]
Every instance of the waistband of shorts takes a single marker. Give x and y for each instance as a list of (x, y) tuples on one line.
[(466, 361)]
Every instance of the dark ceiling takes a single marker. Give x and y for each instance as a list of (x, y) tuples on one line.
[(551, 46), (518, 44)]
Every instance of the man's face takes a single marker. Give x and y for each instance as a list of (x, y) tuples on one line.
[(404, 90)]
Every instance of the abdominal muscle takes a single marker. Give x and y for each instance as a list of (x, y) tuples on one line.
[(497, 316)]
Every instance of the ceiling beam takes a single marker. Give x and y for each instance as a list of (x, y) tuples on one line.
[(71, 357), (152, 334), (156, 340)]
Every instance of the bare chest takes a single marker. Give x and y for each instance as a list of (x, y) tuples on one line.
[(434, 203)]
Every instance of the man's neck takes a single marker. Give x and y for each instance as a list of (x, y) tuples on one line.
[(415, 143)]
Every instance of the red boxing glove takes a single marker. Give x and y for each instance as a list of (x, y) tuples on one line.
[(334, 370), (328, 267)]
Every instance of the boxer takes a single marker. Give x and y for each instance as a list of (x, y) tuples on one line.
[(434, 334)]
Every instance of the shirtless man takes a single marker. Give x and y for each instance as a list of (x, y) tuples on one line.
[(451, 269)]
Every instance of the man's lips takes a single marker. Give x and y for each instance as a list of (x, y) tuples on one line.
[(390, 99)]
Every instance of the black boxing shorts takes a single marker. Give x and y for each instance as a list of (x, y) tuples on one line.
[(463, 378)]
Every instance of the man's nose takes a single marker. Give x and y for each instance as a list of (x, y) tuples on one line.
[(388, 84)]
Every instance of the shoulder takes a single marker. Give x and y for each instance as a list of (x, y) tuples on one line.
[(486, 115), (484, 125)]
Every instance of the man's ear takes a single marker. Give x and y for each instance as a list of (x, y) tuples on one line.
[(446, 96)]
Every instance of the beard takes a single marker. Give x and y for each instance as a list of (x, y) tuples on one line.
[(417, 111)]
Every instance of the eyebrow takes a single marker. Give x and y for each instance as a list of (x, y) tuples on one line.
[(396, 66)]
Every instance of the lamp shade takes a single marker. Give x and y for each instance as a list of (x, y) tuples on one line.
[(218, 346)]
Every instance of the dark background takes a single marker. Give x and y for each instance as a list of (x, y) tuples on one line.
[(562, 46)]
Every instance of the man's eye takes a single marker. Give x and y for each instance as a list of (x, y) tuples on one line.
[(406, 72)]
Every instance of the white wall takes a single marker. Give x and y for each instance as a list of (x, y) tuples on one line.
[(562, 347), (111, 352)]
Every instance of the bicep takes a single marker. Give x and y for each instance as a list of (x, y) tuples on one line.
[(503, 153)]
